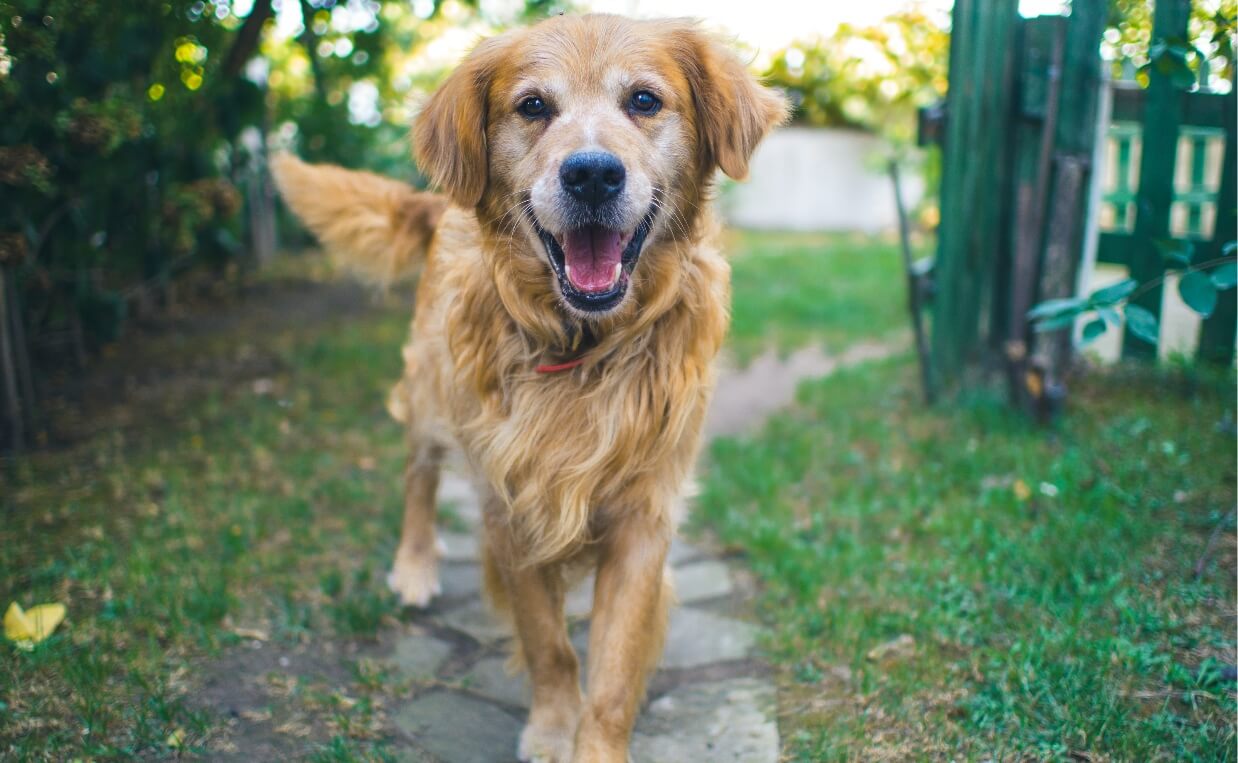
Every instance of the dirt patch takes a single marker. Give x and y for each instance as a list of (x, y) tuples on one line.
[(747, 396), (156, 368)]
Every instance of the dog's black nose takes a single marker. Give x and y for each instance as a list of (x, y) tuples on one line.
[(592, 177)]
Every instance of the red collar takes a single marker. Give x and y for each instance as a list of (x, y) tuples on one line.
[(554, 368)]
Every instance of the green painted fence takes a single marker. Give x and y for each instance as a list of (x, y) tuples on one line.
[(1019, 139)]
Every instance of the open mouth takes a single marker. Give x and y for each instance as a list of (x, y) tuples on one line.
[(594, 263)]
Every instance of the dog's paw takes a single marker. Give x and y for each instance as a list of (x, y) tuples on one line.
[(415, 581), (546, 744)]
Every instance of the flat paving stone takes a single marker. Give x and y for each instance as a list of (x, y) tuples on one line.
[(459, 580), (725, 721), (696, 581), (682, 551), (458, 547), (458, 493), (489, 678), (476, 620), (418, 655), (694, 638), (699, 638), (579, 600), (459, 729), (706, 579)]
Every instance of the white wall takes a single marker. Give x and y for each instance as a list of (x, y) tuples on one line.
[(815, 179)]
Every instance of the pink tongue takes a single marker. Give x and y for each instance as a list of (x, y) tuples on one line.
[(591, 255)]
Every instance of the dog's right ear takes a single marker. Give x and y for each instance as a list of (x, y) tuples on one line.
[(449, 135)]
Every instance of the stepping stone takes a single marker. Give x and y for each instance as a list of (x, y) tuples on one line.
[(579, 600), (699, 638), (459, 580), (702, 580), (727, 721), (696, 581), (476, 620), (418, 656), (694, 638), (459, 729), (682, 551), (458, 547), (458, 493), (489, 678)]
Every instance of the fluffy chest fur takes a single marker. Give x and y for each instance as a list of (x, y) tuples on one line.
[(560, 450)]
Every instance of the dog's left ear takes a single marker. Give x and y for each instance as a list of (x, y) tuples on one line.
[(449, 135), (734, 111)]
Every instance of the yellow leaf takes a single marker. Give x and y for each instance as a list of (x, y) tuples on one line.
[(176, 739), (28, 627), (1021, 490)]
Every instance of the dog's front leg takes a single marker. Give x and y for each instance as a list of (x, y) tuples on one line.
[(626, 634), (535, 596)]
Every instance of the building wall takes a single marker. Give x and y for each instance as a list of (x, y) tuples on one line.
[(818, 179)]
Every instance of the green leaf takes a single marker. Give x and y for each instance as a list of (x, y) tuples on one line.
[(1142, 324), (1229, 248), (1169, 57), (1110, 316), (1198, 292), (1092, 331), (1055, 307), (1225, 276), (1177, 252), (1055, 322), (1113, 293)]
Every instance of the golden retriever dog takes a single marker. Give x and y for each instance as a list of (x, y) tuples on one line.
[(570, 306)]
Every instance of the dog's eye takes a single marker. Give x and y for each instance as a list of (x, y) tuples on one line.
[(533, 107), (645, 102)]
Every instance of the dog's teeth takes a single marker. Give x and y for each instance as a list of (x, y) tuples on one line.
[(615, 276), (568, 270)]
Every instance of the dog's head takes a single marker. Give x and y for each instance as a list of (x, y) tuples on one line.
[(591, 137)]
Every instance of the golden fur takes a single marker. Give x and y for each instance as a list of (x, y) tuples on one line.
[(584, 466)]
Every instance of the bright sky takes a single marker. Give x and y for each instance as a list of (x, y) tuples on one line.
[(763, 25), (767, 25)]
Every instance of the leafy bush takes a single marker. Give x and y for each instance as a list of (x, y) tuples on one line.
[(872, 78)]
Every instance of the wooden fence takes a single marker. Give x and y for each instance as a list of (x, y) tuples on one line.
[(1021, 128)]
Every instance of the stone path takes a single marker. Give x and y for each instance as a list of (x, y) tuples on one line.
[(711, 699)]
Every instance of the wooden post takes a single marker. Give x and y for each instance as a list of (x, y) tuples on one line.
[(1162, 115), (1075, 139), (1045, 42), (914, 290), (975, 178)]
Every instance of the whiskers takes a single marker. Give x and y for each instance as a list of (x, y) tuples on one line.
[(675, 221), (514, 214)]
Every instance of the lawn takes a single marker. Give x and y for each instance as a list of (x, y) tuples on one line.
[(1045, 581), (789, 289), (257, 492), (959, 584), (267, 505)]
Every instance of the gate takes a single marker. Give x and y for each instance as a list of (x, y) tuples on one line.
[(1021, 199)]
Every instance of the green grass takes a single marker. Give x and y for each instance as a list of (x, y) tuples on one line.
[(1046, 578), (1041, 626), (792, 288), (278, 512), (274, 511)]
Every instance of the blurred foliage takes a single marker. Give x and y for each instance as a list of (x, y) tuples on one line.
[(134, 136), (874, 78), (871, 78), (1129, 44)]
